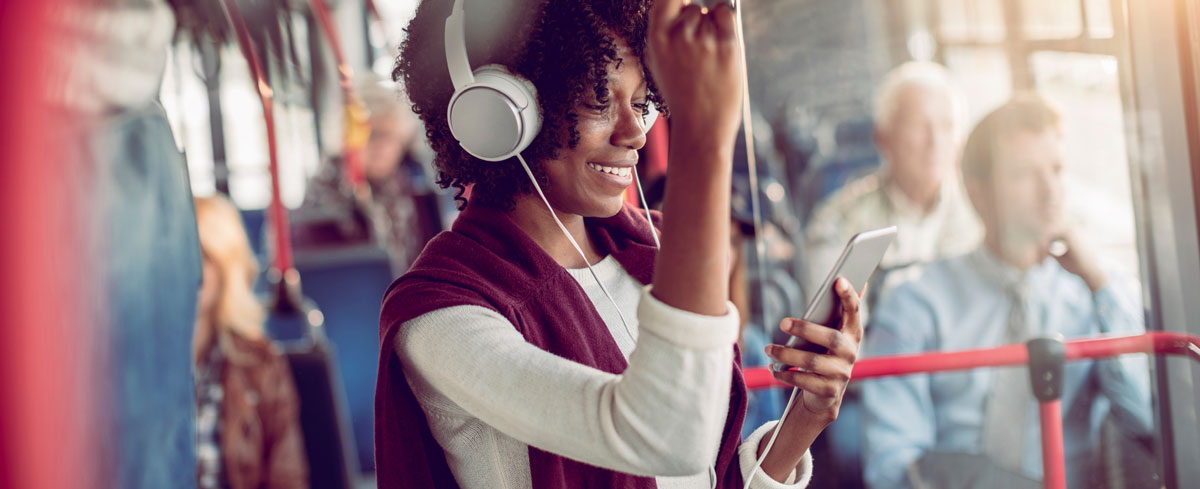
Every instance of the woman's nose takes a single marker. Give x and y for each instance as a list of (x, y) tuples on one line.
[(630, 130)]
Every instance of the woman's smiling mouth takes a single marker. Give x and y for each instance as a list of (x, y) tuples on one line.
[(618, 177), (619, 171)]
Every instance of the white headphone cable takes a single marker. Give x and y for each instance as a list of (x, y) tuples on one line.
[(752, 166), (637, 180), (570, 238)]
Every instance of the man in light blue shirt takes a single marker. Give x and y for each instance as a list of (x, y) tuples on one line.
[(940, 430)]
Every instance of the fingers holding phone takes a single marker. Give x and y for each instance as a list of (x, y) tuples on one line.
[(822, 375), (840, 339)]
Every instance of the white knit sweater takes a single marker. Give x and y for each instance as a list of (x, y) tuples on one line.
[(110, 56), (488, 394)]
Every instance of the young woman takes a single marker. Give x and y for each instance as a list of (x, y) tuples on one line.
[(248, 413), (505, 363)]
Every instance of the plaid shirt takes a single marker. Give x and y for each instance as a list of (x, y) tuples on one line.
[(209, 394)]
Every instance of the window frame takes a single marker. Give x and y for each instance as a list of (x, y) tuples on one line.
[(1161, 94), (1020, 47)]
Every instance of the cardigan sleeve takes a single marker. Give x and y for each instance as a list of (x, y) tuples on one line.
[(663, 416), (748, 458)]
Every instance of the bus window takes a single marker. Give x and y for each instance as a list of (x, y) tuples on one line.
[(1087, 87), (1043, 164), (243, 138)]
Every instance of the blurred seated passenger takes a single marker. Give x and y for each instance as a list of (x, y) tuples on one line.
[(918, 131), (248, 412), (395, 164), (945, 429)]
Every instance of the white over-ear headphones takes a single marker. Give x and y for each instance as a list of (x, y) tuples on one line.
[(493, 113)]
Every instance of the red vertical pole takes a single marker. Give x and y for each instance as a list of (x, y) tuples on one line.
[(49, 409), (1046, 358), (283, 237), (1054, 474)]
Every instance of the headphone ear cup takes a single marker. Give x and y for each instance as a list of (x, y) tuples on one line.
[(496, 116), (522, 92)]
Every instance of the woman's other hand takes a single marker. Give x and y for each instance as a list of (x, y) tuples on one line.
[(823, 379)]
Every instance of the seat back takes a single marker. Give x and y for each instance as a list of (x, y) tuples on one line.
[(854, 155), (327, 440), (349, 286)]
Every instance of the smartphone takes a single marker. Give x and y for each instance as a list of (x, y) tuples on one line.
[(858, 261)]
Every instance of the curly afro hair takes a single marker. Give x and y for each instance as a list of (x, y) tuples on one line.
[(563, 46)]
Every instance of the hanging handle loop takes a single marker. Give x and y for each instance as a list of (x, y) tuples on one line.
[(282, 273), (357, 128)]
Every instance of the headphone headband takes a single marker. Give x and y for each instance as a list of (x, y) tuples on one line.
[(456, 48), (493, 114)]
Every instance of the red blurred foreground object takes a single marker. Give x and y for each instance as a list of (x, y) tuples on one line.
[(48, 428)]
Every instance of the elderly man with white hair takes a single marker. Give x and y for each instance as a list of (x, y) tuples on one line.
[(396, 163), (918, 131)]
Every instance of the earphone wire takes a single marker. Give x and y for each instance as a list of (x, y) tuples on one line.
[(752, 166), (575, 244), (637, 180)]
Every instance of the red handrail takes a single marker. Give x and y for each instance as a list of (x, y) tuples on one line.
[(279, 218), (1161, 343), (1050, 410)]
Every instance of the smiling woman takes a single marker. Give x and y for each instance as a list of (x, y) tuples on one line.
[(502, 354), (565, 52), (590, 177)]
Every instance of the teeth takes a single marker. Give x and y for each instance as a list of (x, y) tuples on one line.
[(612, 170)]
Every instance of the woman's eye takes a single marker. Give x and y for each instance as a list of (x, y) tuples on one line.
[(641, 107), (597, 107)]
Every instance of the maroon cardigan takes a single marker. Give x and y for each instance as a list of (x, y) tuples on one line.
[(486, 260)]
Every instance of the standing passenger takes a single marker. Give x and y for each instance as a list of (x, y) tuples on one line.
[(109, 64), (504, 361)]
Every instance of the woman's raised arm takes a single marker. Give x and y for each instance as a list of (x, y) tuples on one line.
[(696, 61)]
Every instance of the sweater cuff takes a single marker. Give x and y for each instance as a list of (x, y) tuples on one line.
[(686, 328), (748, 457)]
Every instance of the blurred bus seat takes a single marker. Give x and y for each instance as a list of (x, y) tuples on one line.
[(853, 155), (323, 413), (255, 222), (348, 284), (344, 268), (345, 278)]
